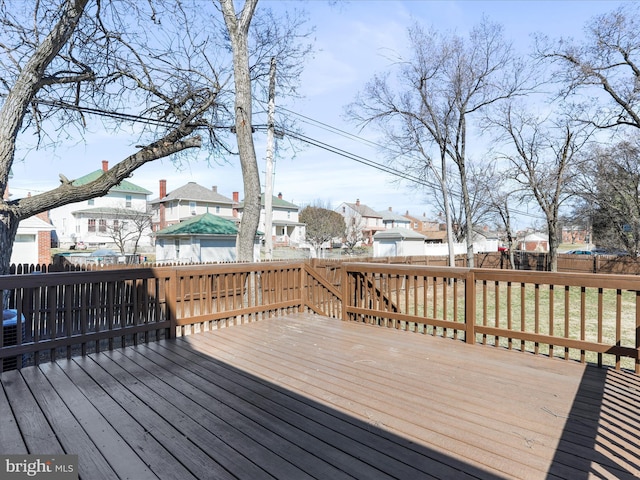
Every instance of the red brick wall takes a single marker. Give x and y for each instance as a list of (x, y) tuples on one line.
[(44, 247)]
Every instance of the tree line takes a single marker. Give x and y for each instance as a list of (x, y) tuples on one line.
[(489, 130)]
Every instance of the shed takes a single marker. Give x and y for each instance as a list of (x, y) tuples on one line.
[(202, 238), (396, 242)]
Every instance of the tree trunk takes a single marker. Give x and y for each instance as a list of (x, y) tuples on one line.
[(8, 229), (552, 226), (13, 112), (238, 33)]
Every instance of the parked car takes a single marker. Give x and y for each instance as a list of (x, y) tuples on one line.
[(579, 252)]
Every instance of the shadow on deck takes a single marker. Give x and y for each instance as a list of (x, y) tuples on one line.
[(304, 396)]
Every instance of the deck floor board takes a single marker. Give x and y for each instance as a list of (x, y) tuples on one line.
[(304, 396)]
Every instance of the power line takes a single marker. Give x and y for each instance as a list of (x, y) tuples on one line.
[(371, 163), (296, 135)]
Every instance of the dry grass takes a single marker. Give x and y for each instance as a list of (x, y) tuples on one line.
[(595, 315)]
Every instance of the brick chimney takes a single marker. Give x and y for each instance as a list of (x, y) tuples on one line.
[(357, 202), (280, 195), (162, 209), (236, 199), (105, 165), (214, 189)]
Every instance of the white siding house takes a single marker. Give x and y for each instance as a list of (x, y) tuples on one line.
[(286, 228), (363, 218), (93, 221), (188, 201), (27, 246)]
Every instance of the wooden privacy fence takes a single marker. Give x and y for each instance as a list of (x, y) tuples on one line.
[(588, 318), (582, 317)]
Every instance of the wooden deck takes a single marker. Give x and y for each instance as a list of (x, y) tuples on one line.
[(305, 396)]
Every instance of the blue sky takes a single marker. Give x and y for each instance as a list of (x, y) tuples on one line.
[(353, 41)]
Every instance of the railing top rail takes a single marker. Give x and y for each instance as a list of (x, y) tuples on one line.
[(448, 272), (588, 280), (239, 267), (38, 279)]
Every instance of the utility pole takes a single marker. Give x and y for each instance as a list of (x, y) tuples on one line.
[(268, 194)]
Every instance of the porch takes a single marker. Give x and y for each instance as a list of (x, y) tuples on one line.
[(307, 396)]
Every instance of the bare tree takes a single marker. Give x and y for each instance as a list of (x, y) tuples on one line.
[(501, 197), (354, 226), (163, 65), (608, 61), (427, 113), (238, 28), (544, 158), (74, 57), (125, 227), (273, 40), (608, 182)]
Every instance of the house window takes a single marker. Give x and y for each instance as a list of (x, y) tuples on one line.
[(91, 201), (91, 227), (177, 245), (192, 207), (217, 208), (128, 201), (288, 214), (116, 226), (102, 225), (415, 224), (344, 209)]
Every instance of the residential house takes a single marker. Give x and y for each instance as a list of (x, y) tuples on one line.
[(32, 244), (485, 240), (286, 229), (390, 219), (188, 201), (434, 230), (201, 238), (534, 242), (575, 234), (361, 219), (95, 221)]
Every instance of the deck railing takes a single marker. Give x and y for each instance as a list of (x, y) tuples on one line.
[(582, 317), (64, 314)]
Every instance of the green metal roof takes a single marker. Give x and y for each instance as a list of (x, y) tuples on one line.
[(124, 186), (123, 212), (205, 224)]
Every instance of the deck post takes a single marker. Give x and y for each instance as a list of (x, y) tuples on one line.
[(345, 292), (303, 287), (637, 359), (171, 299), (470, 307)]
